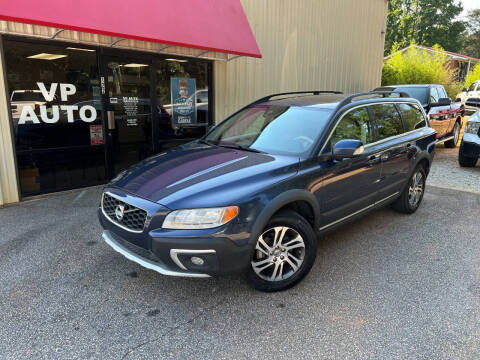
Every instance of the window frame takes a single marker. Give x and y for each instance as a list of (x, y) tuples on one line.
[(374, 120), (370, 119), (417, 106)]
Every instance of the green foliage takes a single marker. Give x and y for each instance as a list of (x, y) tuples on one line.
[(425, 22), (471, 43), (416, 66), (472, 76)]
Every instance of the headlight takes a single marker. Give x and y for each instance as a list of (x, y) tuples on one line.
[(472, 127), (205, 218)]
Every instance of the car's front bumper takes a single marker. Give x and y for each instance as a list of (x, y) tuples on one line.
[(223, 250)]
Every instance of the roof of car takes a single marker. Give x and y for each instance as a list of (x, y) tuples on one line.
[(326, 101), (410, 85), (323, 100)]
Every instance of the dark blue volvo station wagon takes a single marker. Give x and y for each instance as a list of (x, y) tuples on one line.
[(254, 194)]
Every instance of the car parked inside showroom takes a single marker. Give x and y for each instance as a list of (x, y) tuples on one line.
[(470, 147), (253, 195), (445, 117)]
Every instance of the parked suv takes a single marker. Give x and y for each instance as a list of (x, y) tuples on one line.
[(445, 117), (254, 193), (470, 147)]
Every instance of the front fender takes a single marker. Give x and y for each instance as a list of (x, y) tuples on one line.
[(280, 201)]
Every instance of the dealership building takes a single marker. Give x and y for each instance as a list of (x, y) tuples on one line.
[(89, 88)]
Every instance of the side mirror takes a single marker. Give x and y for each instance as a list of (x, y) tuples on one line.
[(442, 102), (347, 149), (464, 90)]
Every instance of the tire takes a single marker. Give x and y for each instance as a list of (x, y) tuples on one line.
[(272, 269), (456, 135), (465, 161), (412, 195)]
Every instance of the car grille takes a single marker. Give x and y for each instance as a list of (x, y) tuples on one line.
[(133, 218), (144, 253)]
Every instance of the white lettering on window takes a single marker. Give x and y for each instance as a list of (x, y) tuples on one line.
[(44, 114), (69, 109), (93, 113), (49, 95), (67, 89), (28, 115)]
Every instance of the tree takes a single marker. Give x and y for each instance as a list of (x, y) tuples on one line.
[(416, 66), (471, 44), (472, 76), (425, 22)]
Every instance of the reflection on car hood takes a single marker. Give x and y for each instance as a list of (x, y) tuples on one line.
[(197, 175)]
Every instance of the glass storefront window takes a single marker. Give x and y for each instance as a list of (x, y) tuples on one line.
[(177, 78), (55, 101)]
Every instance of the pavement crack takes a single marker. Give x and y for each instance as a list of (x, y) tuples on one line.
[(173, 328)]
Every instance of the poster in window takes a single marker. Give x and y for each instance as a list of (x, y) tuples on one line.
[(184, 102), (96, 135)]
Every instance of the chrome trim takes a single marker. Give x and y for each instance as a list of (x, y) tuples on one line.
[(145, 262), (116, 223), (174, 255), (439, 141), (383, 140), (358, 211)]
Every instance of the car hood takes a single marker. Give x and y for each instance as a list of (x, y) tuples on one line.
[(198, 175)]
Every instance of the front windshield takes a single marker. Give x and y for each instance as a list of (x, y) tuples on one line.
[(419, 93), (272, 129)]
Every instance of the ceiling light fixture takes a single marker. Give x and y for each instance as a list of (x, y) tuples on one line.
[(46, 56), (134, 65), (177, 60), (80, 49)]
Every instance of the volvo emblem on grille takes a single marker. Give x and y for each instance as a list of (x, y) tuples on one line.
[(119, 211)]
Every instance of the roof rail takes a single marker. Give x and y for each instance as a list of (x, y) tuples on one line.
[(384, 93), (313, 92)]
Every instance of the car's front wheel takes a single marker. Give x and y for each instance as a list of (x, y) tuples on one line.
[(284, 253)]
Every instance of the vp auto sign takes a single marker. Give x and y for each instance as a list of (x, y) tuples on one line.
[(87, 113)]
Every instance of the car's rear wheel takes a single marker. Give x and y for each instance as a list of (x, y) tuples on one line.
[(456, 136), (465, 161), (412, 195), (284, 253)]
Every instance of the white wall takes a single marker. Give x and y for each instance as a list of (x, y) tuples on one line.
[(306, 45)]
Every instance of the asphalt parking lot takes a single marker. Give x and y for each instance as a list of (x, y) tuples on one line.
[(388, 286)]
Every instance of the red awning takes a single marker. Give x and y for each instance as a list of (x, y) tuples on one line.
[(213, 25)]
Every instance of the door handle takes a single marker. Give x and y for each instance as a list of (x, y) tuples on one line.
[(111, 120), (373, 159)]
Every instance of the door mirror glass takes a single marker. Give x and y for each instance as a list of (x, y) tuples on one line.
[(347, 149)]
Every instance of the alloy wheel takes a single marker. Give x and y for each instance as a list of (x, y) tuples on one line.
[(415, 190), (279, 253)]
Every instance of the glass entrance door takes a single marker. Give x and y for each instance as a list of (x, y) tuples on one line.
[(129, 112)]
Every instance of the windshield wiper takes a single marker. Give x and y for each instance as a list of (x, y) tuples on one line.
[(240, 147), (202, 141)]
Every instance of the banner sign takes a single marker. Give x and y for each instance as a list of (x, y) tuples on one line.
[(184, 102)]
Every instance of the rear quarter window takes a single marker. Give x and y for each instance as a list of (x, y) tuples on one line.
[(388, 122), (412, 117)]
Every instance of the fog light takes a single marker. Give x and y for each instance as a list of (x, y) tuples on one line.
[(196, 260)]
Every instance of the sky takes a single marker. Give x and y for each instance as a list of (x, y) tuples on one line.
[(469, 5)]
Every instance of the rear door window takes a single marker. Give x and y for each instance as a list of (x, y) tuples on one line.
[(355, 125), (412, 117), (433, 95), (387, 120), (441, 92)]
